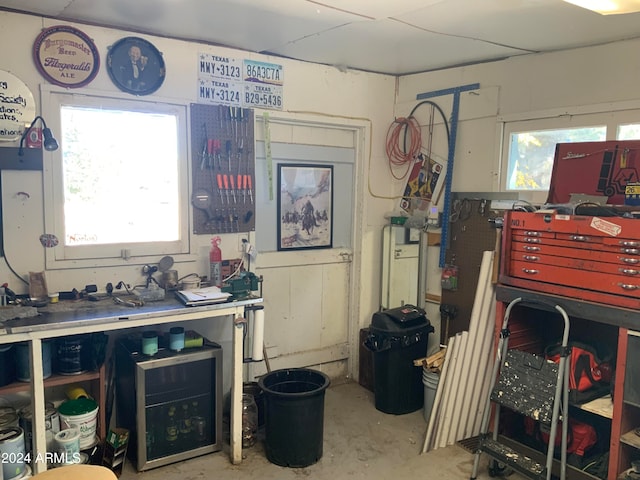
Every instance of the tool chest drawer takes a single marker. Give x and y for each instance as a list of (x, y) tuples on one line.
[(590, 258)]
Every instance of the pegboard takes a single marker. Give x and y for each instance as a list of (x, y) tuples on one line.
[(470, 234), (223, 169)]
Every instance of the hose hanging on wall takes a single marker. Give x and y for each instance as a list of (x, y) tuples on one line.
[(399, 156)]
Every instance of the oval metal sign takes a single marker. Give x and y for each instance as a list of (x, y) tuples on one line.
[(17, 107), (66, 56)]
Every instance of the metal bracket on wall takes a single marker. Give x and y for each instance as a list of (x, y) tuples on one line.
[(453, 121)]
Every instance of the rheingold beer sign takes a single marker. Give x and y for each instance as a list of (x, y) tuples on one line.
[(66, 56)]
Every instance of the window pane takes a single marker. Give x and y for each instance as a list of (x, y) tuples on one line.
[(120, 173), (630, 131), (531, 154)]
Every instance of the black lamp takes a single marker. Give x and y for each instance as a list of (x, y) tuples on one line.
[(50, 144)]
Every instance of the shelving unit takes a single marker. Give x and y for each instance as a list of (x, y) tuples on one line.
[(626, 442), (95, 380), (588, 319)]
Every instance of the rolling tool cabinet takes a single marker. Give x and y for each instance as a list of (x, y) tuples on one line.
[(591, 267), (586, 257)]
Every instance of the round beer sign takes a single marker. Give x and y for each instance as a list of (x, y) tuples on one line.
[(66, 56)]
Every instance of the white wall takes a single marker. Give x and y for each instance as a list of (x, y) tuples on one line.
[(310, 90), (525, 85)]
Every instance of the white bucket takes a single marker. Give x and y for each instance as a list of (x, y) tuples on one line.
[(430, 380), (68, 445), (81, 414)]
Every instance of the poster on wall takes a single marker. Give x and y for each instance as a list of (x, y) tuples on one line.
[(305, 206), (239, 82), (17, 107), (425, 181), (66, 56)]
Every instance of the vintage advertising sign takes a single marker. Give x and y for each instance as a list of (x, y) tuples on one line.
[(17, 107), (66, 56), (236, 82)]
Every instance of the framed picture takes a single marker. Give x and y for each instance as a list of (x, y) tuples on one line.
[(135, 66), (305, 206)]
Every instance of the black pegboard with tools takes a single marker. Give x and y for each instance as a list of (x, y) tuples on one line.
[(223, 169), (471, 234)]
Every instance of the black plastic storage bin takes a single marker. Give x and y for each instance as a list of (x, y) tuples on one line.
[(397, 337), (294, 415)]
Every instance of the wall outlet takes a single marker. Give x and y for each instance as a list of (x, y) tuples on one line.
[(435, 218)]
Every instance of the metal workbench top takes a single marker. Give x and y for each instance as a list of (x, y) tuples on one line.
[(56, 319)]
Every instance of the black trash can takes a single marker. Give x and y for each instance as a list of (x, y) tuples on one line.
[(397, 337), (294, 415)]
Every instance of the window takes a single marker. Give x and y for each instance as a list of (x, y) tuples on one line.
[(531, 154), (117, 180), (529, 145), (629, 131)]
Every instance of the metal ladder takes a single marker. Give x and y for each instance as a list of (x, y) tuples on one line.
[(532, 386)]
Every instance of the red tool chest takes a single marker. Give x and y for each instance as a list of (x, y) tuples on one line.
[(584, 257)]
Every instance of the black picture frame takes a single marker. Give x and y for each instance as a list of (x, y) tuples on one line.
[(305, 206), (148, 73)]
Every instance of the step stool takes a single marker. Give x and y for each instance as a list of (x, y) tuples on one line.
[(532, 386)]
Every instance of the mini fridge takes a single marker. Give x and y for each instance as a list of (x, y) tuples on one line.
[(170, 402)]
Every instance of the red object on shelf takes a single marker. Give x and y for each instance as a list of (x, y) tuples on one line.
[(594, 168)]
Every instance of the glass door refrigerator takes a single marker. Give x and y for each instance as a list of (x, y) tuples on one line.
[(171, 402)]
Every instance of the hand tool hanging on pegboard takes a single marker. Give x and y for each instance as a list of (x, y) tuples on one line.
[(223, 146)]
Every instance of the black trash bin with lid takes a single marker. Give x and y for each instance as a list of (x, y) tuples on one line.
[(397, 337), (294, 415)]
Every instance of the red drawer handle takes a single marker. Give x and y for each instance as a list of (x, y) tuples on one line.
[(631, 261), (629, 271), (627, 243), (531, 271), (533, 240), (533, 234), (579, 238), (628, 286), (531, 258), (529, 248), (630, 251)]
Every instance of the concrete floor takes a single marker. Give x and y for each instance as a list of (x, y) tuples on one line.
[(358, 442)]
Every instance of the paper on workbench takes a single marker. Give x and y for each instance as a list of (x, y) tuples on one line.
[(206, 294)]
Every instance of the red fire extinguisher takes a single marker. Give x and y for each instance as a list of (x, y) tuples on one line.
[(215, 262)]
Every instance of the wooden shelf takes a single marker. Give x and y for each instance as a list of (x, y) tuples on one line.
[(53, 381), (56, 380), (630, 438), (602, 406)]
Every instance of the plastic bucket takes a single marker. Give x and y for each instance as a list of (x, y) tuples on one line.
[(82, 414), (68, 445), (294, 416), (430, 380)]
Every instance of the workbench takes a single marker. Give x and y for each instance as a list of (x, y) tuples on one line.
[(109, 317)]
